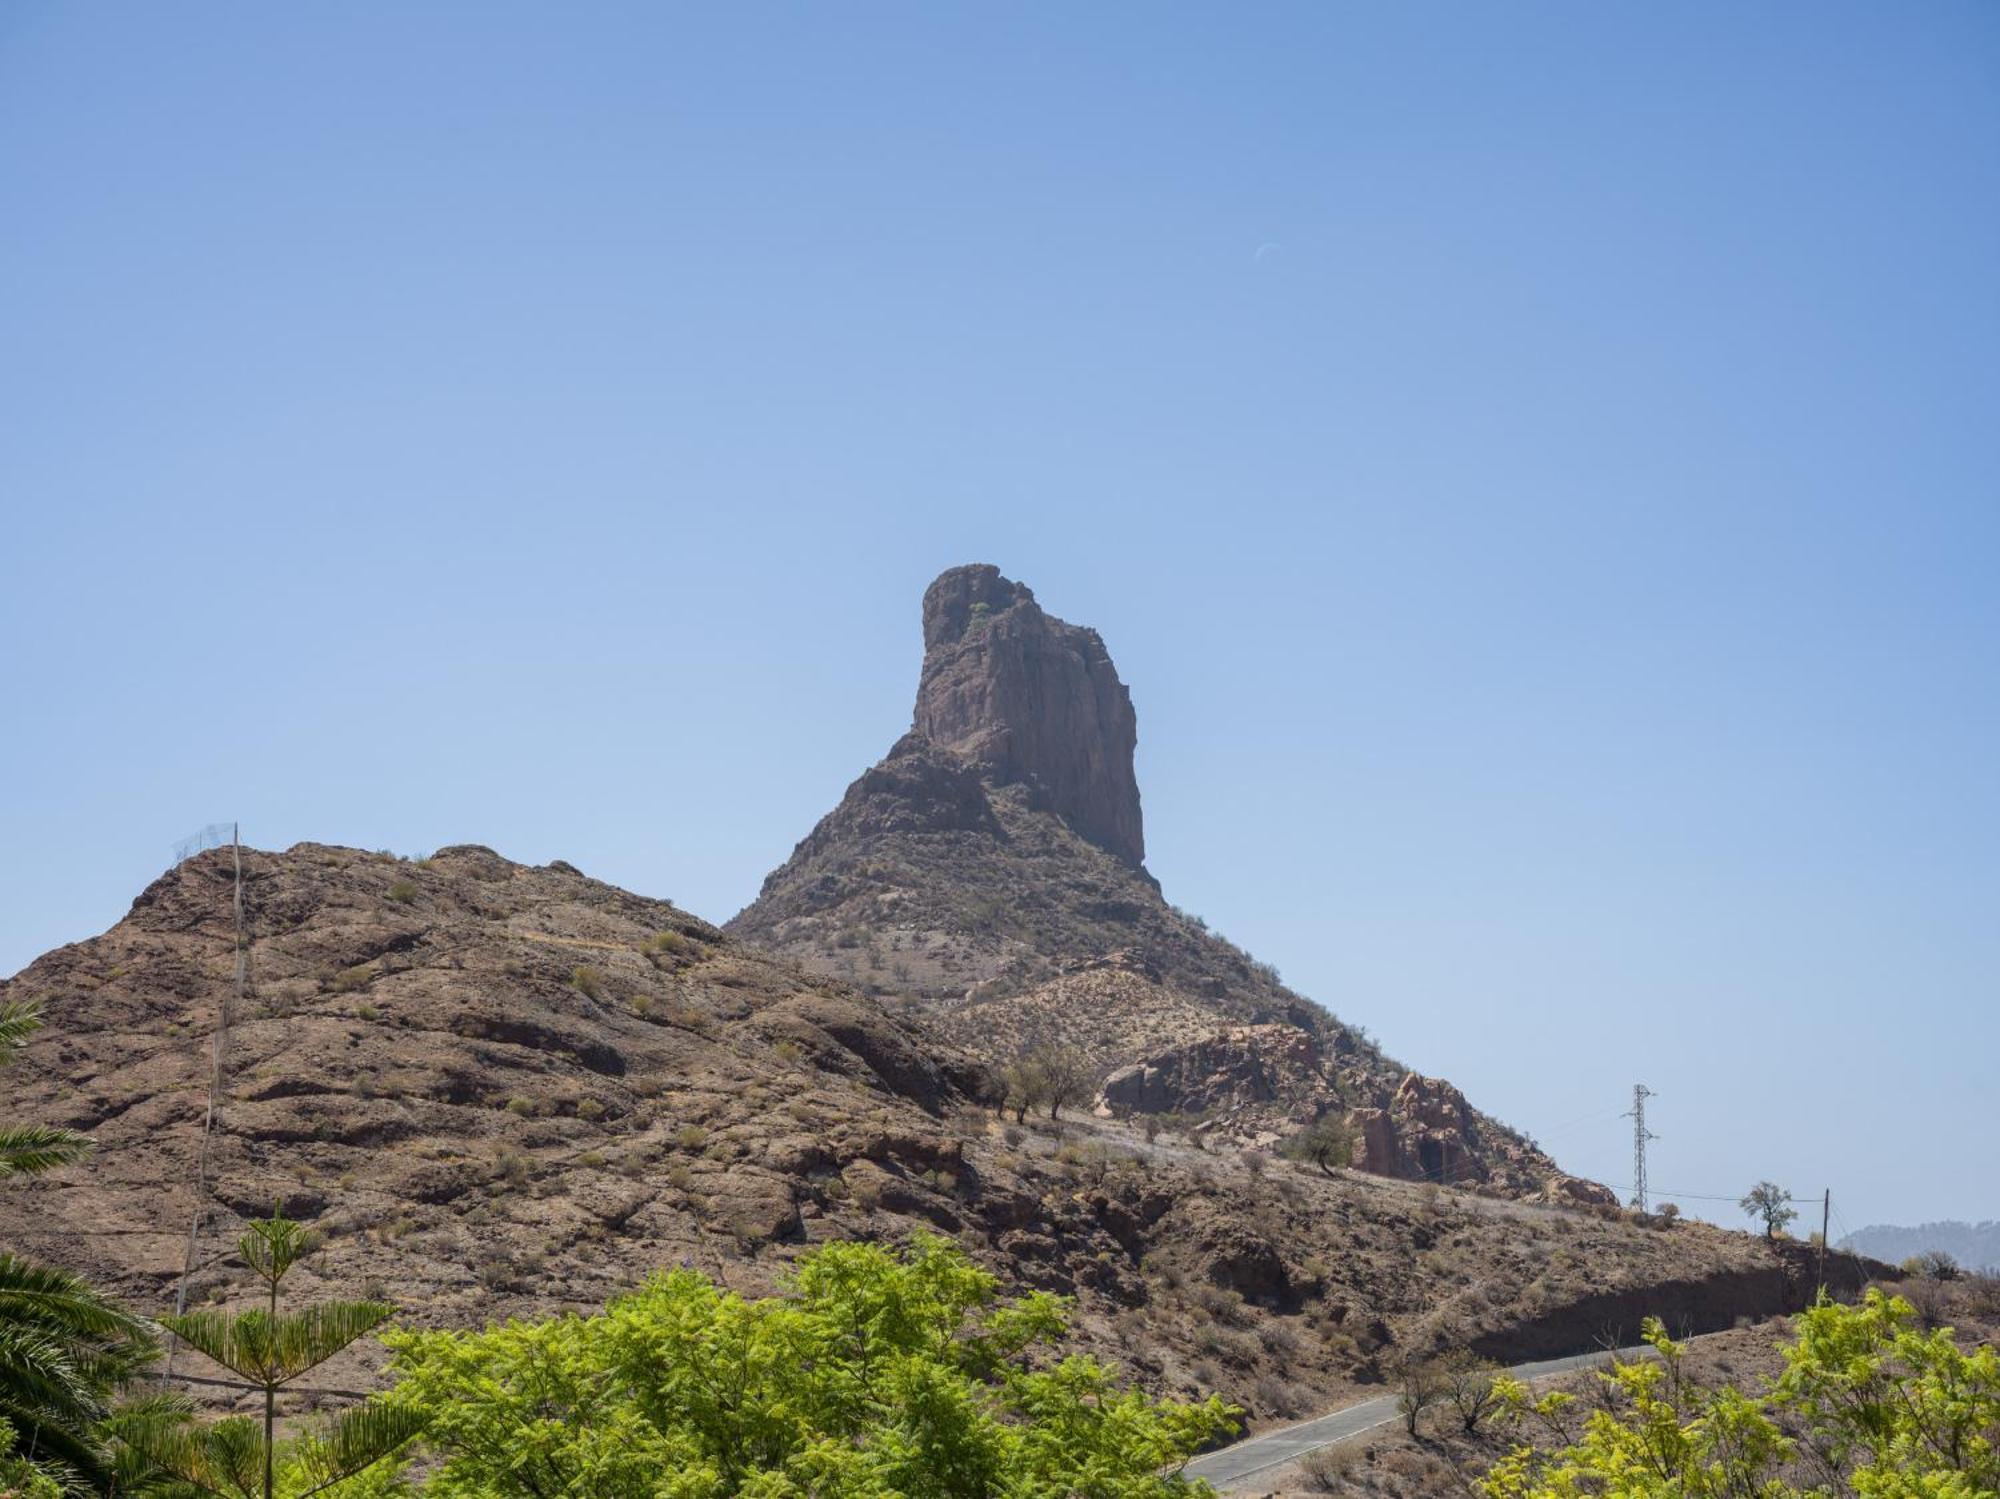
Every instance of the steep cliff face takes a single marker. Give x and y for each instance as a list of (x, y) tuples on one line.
[(1031, 701), (989, 870)]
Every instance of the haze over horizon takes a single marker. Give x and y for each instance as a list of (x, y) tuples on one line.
[(1536, 481)]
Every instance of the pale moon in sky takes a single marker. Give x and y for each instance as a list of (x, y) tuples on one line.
[(1265, 253)]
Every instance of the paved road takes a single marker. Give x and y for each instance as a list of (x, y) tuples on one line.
[(1231, 1467)]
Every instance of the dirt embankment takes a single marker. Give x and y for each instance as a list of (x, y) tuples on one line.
[(1711, 1301)]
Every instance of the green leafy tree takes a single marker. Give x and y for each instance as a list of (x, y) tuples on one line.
[(1025, 1085), (875, 1373), (1327, 1142), (1772, 1203), (1875, 1409), (20, 1478), (1065, 1077), (65, 1348), (1899, 1412), (239, 1457)]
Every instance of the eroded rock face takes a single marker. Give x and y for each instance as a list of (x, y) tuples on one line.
[(1248, 1064), (1031, 701), (1575, 1191)]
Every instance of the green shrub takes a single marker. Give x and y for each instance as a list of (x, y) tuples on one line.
[(587, 981), (1327, 1143), (875, 1372), (1899, 1411)]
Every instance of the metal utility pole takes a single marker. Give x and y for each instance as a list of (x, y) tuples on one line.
[(1640, 1135), (1825, 1214)]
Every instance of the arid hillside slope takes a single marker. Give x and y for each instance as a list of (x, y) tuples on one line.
[(496, 1088)]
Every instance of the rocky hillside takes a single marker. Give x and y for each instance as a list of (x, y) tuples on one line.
[(498, 1089), (989, 872)]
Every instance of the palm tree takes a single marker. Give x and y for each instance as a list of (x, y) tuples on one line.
[(26, 1149), (64, 1348), (236, 1457)]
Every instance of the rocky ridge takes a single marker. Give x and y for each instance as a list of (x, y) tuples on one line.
[(497, 1089), (989, 874)]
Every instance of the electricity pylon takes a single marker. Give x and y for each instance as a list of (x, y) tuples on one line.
[(1640, 1135)]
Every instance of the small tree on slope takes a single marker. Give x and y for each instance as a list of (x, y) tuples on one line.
[(1772, 1203)]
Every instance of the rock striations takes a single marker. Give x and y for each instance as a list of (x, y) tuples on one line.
[(496, 1089), (989, 871), (1030, 701)]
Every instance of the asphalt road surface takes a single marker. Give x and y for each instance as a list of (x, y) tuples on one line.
[(1233, 1467)]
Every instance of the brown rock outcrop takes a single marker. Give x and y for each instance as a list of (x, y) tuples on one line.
[(1031, 701), (988, 870), (1246, 1064)]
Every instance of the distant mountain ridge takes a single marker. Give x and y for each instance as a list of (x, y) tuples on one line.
[(1976, 1246)]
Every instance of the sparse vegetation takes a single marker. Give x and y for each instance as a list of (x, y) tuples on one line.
[(1327, 1143), (349, 979), (1772, 1204), (1932, 1264), (1420, 1384), (1326, 1470), (1470, 1387)]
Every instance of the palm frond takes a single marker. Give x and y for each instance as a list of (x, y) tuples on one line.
[(52, 1407), (271, 1350), (38, 1295), (19, 1019), (355, 1440), (39, 1379), (30, 1149)]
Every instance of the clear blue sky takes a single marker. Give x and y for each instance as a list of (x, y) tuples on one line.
[(1535, 466)]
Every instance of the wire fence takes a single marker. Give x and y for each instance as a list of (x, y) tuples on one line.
[(200, 841), (215, 835)]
